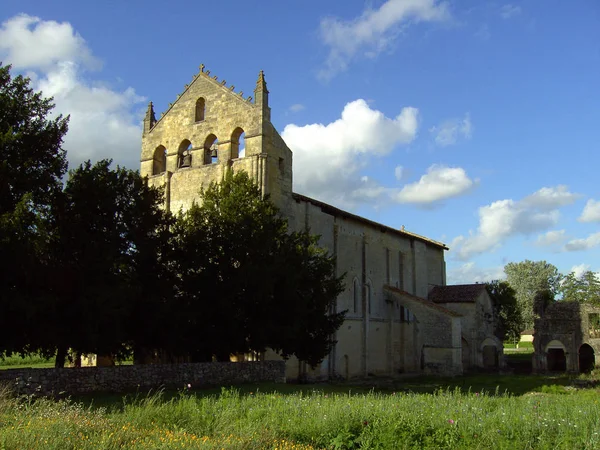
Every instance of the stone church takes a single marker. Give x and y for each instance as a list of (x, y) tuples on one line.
[(392, 325)]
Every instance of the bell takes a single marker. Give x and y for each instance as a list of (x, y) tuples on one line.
[(187, 160), (213, 152)]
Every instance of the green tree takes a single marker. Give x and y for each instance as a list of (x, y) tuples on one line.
[(32, 159), (582, 289), (506, 310), (528, 278), (108, 279), (247, 283), (32, 163)]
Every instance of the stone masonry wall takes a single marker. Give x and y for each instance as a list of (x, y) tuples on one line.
[(151, 376)]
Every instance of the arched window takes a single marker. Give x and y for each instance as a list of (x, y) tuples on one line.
[(184, 154), (356, 297), (159, 163), (200, 109), (238, 145), (211, 150)]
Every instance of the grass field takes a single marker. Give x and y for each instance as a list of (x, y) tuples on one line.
[(485, 411)]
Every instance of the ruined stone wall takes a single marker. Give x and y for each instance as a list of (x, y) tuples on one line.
[(82, 380)]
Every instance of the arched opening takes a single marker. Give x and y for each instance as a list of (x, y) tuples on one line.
[(489, 351), (466, 355), (184, 154), (159, 162), (556, 357), (587, 358), (238, 144), (211, 150), (200, 109), (490, 357), (356, 296)]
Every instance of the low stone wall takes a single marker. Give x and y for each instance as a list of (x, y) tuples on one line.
[(144, 377)]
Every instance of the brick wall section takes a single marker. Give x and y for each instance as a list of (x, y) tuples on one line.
[(151, 376)]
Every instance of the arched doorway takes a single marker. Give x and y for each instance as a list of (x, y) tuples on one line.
[(556, 357), (587, 358), (489, 352)]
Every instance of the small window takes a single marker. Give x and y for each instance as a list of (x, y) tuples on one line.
[(200, 109)]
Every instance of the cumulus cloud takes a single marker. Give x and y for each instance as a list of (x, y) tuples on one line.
[(551, 238), (579, 269), (591, 211), (470, 273), (451, 130), (103, 121), (327, 158), (374, 30), (439, 183), (593, 240), (504, 218), (508, 11)]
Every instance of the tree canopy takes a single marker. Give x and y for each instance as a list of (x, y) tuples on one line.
[(582, 289), (247, 282), (506, 310), (528, 278)]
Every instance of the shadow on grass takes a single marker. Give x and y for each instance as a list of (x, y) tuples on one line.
[(491, 384)]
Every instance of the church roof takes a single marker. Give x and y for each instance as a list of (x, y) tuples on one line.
[(458, 293), (422, 301), (383, 228)]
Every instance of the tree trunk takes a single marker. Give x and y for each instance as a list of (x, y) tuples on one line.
[(61, 356)]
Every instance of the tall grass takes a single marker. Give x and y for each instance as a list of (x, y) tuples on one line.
[(561, 417)]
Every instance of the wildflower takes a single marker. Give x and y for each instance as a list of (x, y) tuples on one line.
[(365, 423), (451, 422)]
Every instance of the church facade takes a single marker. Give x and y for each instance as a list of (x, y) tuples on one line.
[(391, 326)]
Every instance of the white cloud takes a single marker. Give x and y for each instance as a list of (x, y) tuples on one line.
[(551, 238), (297, 107), (374, 30), (448, 132), (504, 218), (399, 172), (28, 42), (102, 123), (508, 11), (591, 211), (579, 269), (439, 183), (327, 158), (549, 198), (593, 240), (468, 273)]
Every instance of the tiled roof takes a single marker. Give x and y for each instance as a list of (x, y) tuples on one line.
[(459, 293), (421, 300)]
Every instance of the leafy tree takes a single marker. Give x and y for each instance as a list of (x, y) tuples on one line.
[(246, 283), (528, 278), (32, 163), (582, 289), (108, 281), (506, 310)]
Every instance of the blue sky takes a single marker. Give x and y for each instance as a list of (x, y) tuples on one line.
[(474, 123)]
